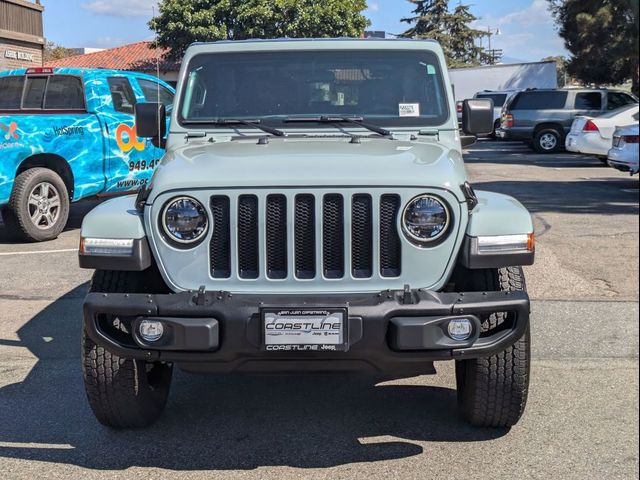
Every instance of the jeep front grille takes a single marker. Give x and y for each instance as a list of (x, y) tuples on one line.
[(354, 235)]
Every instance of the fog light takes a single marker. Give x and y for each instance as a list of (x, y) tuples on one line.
[(460, 329), (150, 330)]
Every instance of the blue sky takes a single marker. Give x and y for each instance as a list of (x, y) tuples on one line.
[(527, 30)]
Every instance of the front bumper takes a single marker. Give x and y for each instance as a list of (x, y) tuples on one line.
[(388, 332)]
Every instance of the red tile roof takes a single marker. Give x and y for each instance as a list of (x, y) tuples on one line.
[(135, 56)]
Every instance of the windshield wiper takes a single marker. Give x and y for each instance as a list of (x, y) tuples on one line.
[(353, 120), (237, 121)]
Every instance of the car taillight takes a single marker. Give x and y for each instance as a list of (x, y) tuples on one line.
[(459, 107), (590, 127), (508, 121), (631, 138)]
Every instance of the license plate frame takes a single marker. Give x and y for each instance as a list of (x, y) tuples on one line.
[(314, 327)]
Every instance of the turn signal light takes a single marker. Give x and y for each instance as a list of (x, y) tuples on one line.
[(590, 127)]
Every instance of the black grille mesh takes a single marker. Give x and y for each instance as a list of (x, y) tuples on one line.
[(248, 236), (220, 246), (276, 233), (305, 236), (333, 236), (390, 248), (361, 236)]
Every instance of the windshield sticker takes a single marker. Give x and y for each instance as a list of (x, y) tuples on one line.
[(431, 70), (409, 109)]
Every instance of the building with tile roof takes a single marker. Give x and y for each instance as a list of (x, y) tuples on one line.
[(136, 57)]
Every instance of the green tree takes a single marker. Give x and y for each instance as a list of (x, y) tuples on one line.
[(432, 19), (463, 50), (53, 51), (182, 22), (602, 36)]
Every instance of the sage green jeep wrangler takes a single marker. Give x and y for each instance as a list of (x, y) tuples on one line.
[(311, 214)]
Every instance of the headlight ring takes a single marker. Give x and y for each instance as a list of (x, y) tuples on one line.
[(184, 221), (426, 220)]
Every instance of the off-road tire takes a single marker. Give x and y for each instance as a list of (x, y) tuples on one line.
[(16, 215), (122, 392), (542, 142), (492, 391)]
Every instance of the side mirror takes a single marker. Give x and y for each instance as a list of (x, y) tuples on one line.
[(477, 116), (151, 121)]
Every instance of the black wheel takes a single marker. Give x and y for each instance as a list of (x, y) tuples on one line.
[(123, 393), (492, 391), (547, 140), (38, 208)]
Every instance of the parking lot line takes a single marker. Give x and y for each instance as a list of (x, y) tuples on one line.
[(34, 252)]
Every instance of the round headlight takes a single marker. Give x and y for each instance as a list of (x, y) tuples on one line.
[(425, 219), (185, 220)]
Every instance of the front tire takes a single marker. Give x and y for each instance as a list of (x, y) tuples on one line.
[(122, 392), (38, 208), (492, 391)]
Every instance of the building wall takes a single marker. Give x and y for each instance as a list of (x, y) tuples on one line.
[(16, 54), (21, 34)]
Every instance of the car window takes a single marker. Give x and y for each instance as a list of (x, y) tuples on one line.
[(618, 99), (11, 92), (403, 88), (588, 101), (498, 98), (64, 92), (122, 94), (542, 100), (33, 96), (150, 90)]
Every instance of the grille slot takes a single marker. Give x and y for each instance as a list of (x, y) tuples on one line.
[(361, 236), (333, 236), (390, 247), (305, 236), (248, 241), (220, 246), (276, 236)]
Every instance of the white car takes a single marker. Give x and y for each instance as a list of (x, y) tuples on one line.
[(623, 155), (594, 135)]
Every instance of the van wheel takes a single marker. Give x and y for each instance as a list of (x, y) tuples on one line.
[(492, 391), (547, 140), (122, 392), (38, 208)]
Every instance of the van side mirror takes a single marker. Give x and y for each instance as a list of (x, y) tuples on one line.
[(477, 116), (151, 121)]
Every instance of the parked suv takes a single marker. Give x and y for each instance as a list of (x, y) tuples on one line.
[(311, 214), (542, 118)]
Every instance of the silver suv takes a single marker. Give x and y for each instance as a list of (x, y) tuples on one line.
[(542, 118)]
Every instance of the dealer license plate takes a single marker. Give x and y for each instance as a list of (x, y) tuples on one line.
[(305, 329)]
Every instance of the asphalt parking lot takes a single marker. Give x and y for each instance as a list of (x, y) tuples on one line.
[(581, 420)]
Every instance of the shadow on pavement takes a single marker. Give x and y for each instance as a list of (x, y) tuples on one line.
[(217, 422), (610, 196)]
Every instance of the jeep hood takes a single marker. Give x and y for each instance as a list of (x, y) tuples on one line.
[(308, 162)]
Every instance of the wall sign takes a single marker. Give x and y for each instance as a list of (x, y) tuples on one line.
[(27, 57)]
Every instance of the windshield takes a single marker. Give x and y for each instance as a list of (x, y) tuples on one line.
[(394, 88), (618, 111), (498, 98)]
